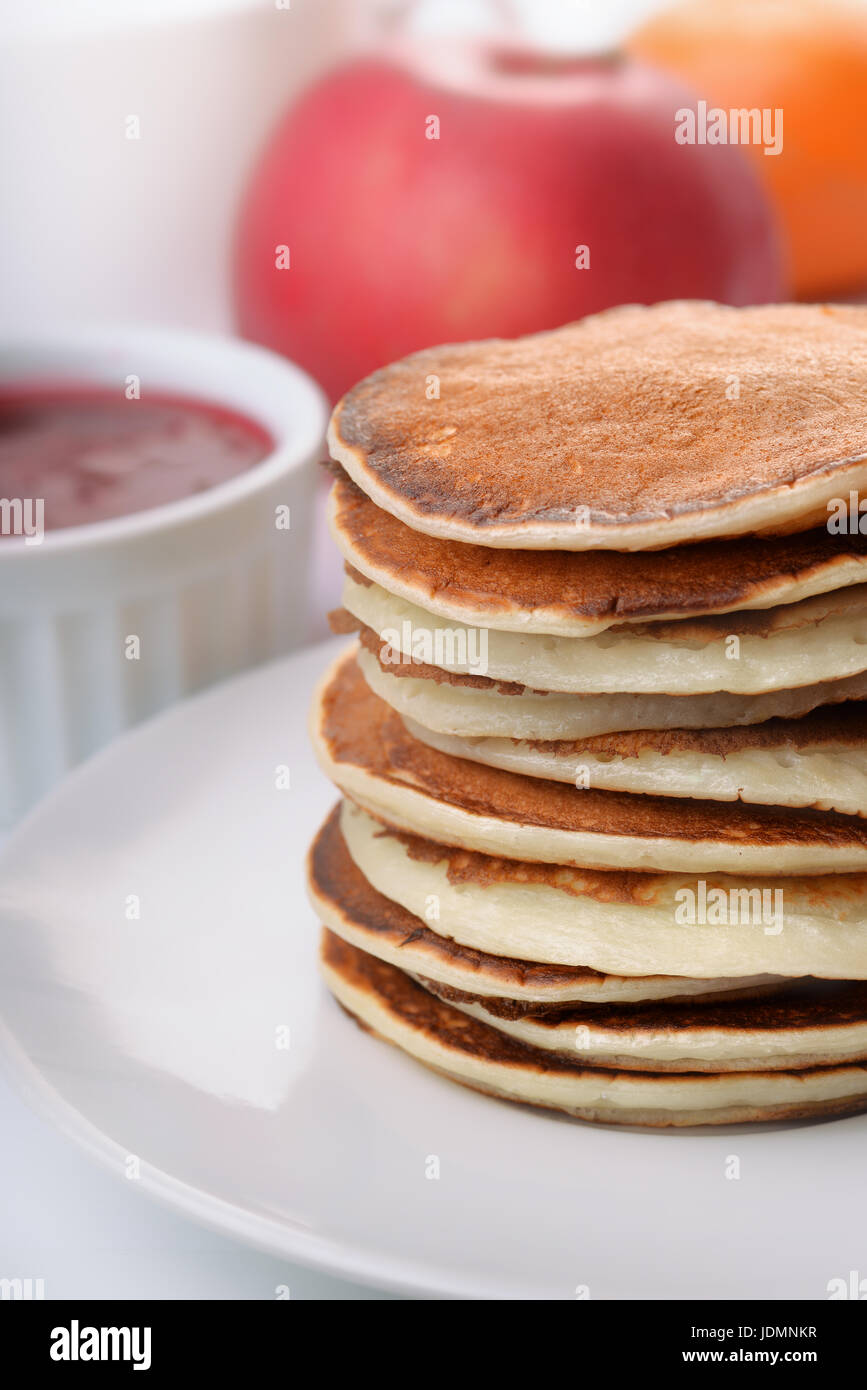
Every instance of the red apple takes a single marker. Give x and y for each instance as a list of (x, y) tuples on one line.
[(398, 239)]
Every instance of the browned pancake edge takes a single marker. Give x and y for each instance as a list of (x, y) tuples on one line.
[(624, 413), (361, 731), (622, 586)]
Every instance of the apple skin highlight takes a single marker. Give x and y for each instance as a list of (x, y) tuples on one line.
[(420, 201)]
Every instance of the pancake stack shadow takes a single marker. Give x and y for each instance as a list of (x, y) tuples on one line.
[(601, 735)]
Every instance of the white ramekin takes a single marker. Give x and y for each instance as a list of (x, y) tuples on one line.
[(209, 584)]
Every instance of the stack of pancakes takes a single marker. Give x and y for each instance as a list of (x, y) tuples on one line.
[(602, 739)]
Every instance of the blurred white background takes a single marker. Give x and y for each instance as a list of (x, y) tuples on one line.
[(101, 226), (98, 226)]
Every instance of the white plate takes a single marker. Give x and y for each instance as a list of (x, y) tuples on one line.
[(153, 1042)]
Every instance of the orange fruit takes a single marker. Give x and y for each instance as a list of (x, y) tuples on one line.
[(807, 58)]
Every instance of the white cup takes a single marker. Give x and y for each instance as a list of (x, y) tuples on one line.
[(130, 130), (209, 585)]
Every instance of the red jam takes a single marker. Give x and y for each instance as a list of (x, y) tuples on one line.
[(91, 454)]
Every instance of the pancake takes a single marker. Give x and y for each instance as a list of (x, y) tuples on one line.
[(818, 761), (565, 594), (817, 1025), (366, 750), (386, 1002), (797, 644), (347, 904), (477, 707), (633, 429), (622, 923)]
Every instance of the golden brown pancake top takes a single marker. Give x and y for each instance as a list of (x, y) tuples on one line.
[(631, 887), (336, 878), (804, 1008), (850, 602), (337, 881), (344, 622), (442, 1023), (832, 725), (439, 1020), (624, 585), (361, 730), (512, 1009), (625, 413)]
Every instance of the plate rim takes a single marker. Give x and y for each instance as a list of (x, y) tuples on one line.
[(322, 1253), (326, 1254), (280, 1237)]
